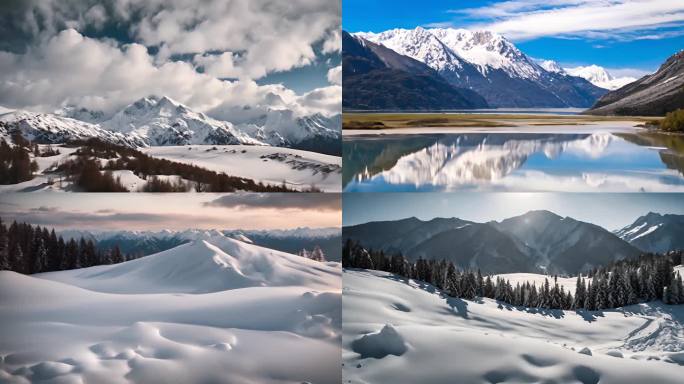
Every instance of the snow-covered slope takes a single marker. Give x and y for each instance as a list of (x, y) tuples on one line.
[(215, 263), (600, 77), (399, 331), (272, 165), (214, 311), (654, 232)]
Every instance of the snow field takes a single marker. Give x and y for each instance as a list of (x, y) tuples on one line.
[(214, 310), (454, 340)]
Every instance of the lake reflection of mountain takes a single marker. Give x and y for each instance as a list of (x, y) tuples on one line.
[(544, 162)]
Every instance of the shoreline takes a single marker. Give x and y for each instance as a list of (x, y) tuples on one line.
[(624, 126)]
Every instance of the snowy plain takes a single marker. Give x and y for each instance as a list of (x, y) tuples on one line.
[(216, 310), (402, 331)]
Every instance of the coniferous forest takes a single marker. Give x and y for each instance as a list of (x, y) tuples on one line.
[(15, 162), (646, 278), (28, 249)]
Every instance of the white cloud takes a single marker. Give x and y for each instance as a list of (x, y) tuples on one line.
[(239, 40), (222, 65), (335, 75), (72, 69), (334, 42), (269, 35), (324, 100), (526, 19)]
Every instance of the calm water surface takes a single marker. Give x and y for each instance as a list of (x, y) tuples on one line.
[(591, 162)]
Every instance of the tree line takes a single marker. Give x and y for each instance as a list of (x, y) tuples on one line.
[(646, 278), (28, 249)]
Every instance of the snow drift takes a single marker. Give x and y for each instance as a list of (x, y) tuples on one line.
[(214, 310), (450, 340)]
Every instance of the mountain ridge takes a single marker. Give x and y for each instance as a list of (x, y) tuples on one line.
[(161, 121), (537, 241), (651, 95)]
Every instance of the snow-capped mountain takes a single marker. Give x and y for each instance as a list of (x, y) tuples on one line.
[(600, 77), (489, 51), (655, 232), (422, 45), (534, 242), (159, 121), (490, 65), (163, 121)]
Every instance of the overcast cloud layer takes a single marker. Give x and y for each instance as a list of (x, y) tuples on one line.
[(207, 54)]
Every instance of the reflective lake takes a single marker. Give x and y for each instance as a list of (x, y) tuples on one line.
[(586, 162)]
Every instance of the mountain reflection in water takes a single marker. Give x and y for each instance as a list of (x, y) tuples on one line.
[(514, 162)]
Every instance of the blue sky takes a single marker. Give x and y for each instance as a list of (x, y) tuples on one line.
[(633, 36), (611, 211)]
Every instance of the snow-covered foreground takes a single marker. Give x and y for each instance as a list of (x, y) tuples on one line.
[(399, 331), (213, 311), (271, 165)]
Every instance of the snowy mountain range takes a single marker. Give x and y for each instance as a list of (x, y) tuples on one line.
[(538, 241), (161, 121), (149, 242), (654, 232), (489, 64)]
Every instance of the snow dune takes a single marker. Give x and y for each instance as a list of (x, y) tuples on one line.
[(214, 310), (449, 340)]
